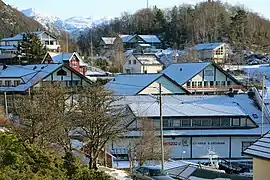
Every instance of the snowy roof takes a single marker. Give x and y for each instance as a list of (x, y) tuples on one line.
[(207, 46), (108, 40), (130, 84), (126, 38), (147, 38), (19, 37), (61, 57), (93, 71), (200, 106), (150, 59), (181, 73), (8, 47), (30, 74), (150, 38), (261, 148), (186, 106)]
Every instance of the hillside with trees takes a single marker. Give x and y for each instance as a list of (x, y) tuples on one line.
[(185, 25), (13, 22)]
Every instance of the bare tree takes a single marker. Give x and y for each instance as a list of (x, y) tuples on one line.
[(99, 119), (43, 118), (147, 147)]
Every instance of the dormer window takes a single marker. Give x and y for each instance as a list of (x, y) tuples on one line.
[(61, 72)]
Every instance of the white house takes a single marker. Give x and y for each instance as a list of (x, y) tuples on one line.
[(202, 78), (139, 84), (142, 63), (23, 79), (217, 52), (195, 125), (50, 41)]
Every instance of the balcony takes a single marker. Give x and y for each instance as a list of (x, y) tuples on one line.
[(53, 47), (214, 88)]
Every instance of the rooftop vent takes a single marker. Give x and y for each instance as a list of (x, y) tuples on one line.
[(35, 67), (180, 69), (42, 67)]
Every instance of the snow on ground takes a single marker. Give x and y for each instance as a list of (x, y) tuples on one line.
[(115, 173)]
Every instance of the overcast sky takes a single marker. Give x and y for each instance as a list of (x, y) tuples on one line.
[(112, 8)]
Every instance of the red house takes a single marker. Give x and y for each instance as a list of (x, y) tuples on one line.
[(72, 59)]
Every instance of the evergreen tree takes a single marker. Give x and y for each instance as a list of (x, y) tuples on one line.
[(31, 49)]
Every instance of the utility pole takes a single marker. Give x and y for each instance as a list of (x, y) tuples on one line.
[(161, 128), (262, 106), (6, 105)]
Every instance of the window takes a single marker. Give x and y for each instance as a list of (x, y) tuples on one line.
[(205, 83), (167, 123), (134, 61), (17, 82), (228, 83), (128, 71), (199, 84), (235, 121), (7, 83), (219, 51), (244, 122), (208, 73), (51, 42), (223, 83), (211, 83), (176, 123), (215, 122), (46, 42), (145, 71), (225, 122), (188, 84), (196, 123), (206, 122), (74, 63), (186, 123), (218, 83), (246, 144), (194, 84), (1, 83), (61, 72), (129, 62)]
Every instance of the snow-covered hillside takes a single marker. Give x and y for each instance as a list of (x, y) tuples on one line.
[(55, 24)]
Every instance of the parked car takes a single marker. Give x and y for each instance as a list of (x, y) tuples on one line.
[(150, 173)]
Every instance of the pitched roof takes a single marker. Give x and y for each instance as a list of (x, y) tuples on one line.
[(126, 38), (181, 73), (60, 58), (30, 74), (150, 59), (186, 106), (150, 38), (108, 40), (19, 37), (130, 84), (261, 148), (207, 46)]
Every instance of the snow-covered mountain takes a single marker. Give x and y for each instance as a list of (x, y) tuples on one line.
[(55, 24)]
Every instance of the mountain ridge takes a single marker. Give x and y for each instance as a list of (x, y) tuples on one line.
[(73, 24), (13, 21)]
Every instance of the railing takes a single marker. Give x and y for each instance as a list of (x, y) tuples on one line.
[(215, 88), (54, 47)]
